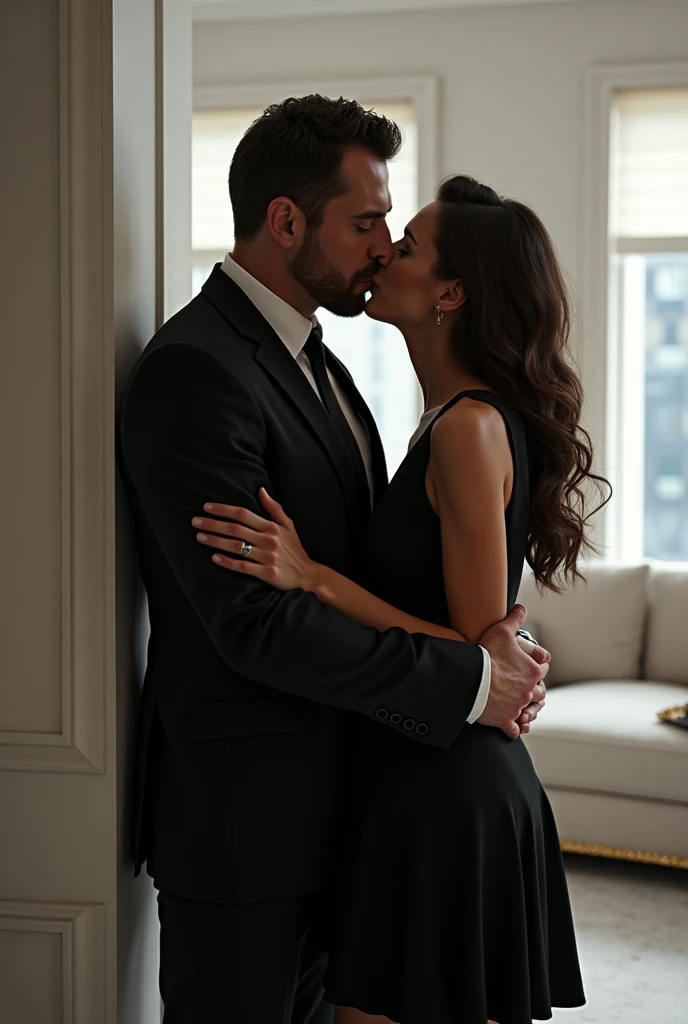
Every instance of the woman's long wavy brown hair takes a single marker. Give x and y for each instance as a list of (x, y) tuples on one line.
[(513, 333)]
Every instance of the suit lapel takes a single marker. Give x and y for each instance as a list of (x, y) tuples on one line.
[(287, 374), (277, 361), (345, 381)]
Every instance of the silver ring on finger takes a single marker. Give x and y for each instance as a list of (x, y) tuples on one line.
[(245, 549)]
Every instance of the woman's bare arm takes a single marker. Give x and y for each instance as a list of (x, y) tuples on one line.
[(469, 484), (277, 557)]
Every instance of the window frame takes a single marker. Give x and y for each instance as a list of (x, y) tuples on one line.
[(603, 358)]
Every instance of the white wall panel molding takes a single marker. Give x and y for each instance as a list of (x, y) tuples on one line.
[(173, 129), (81, 927), (85, 89)]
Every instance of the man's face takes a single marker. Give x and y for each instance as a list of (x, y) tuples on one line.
[(336, 263)]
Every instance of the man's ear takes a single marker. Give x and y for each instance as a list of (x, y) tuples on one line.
[(286, 222), (452, 297)]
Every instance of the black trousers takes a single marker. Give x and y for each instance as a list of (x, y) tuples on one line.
[(240, 963)]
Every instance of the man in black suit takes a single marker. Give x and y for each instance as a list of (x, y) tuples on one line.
[(250, 693)]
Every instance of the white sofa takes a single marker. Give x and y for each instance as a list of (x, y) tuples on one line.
[(617, 776)]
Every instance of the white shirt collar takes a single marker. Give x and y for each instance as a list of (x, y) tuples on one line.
[(286, 322)]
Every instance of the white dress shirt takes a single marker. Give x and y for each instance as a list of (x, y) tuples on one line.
[(293, 330)]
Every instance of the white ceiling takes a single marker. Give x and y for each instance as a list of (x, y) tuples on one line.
[(240, 10)]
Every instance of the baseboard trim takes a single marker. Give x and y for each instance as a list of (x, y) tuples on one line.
[(664, 860)]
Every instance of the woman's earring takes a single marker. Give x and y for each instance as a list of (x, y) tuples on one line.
[(439, 316)]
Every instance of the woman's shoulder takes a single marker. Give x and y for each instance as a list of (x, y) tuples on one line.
[(470, 442), (470, 421)]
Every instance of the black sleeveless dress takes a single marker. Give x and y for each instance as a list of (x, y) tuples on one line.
[(454, 906)]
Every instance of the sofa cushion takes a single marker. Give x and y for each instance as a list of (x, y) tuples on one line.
[(667, 625), (595, 630), (604, 736)]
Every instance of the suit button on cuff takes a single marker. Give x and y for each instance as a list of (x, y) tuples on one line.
[(409, 723), (382, 714), (395, 718), (422, 729)]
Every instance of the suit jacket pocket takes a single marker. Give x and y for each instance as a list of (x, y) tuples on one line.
[(254, 715)]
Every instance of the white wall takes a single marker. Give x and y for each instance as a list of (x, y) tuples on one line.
[(511, 89)]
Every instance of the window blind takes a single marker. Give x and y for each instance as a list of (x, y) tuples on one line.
[(215, 136), (649, 163)]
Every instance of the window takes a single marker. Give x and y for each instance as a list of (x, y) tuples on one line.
[(648, 319), (374, 352)]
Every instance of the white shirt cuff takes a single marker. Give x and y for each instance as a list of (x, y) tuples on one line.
[(483, 690)]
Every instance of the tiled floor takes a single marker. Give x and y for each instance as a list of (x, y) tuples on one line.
[(632, 928)]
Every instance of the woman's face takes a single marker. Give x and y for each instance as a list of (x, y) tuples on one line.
[(406, 292)]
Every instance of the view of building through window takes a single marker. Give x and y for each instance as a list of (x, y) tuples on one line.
[(649, 294), (662, 280), (374, 353)]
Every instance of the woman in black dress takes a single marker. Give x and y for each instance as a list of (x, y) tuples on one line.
[(454, 908)]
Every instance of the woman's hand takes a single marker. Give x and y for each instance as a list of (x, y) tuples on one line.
[(276, 555)]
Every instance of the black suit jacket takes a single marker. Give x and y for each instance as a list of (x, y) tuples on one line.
[(248, 693)]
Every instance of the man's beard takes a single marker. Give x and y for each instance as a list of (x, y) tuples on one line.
[(325, 283)]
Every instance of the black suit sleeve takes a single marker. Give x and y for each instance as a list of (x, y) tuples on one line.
[(191, 431)]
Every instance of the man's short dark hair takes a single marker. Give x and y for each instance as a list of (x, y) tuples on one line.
[(295, 149)]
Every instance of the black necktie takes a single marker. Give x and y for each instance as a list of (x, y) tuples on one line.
[(315, 351)]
